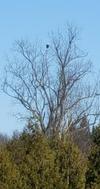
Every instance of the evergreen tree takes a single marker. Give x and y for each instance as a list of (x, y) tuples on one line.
[(93, 173), (48, 163)]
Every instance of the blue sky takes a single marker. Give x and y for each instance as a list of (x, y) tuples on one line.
[(34, 19)]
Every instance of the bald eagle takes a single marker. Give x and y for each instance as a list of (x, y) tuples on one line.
[(47, 46)]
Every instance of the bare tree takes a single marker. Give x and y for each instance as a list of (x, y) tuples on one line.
[(50, 83)]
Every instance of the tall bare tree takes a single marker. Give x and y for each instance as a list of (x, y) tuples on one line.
[(50, 83)]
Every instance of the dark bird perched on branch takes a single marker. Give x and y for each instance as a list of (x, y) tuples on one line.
[(47, 46)]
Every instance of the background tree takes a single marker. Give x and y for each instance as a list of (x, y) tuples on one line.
[(49, 83), (82, 135), (3, 139)]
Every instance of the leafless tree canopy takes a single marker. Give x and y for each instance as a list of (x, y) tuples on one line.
[(50, 83)]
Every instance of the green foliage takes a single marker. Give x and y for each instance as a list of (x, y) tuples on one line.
[(47, 163), (93, 173), (9, 175), (37, 169), (70, 164), (96, 136), (34, 161)]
